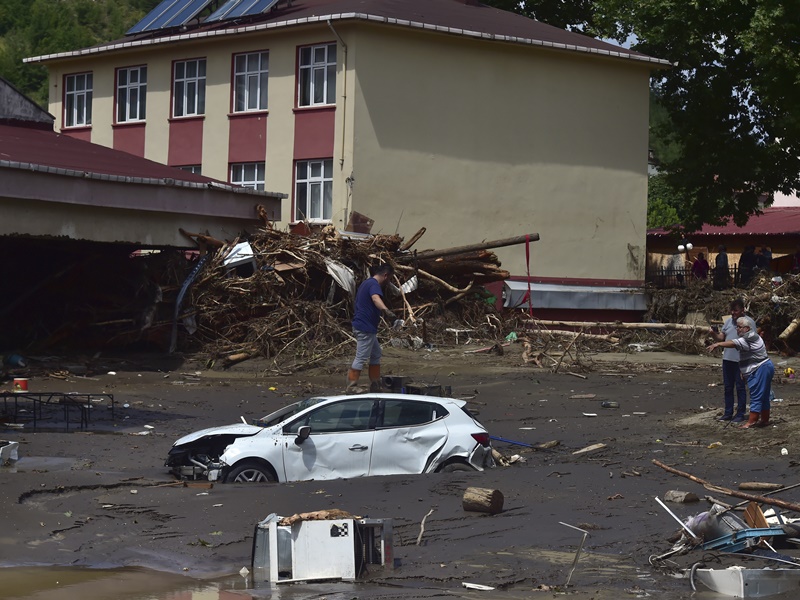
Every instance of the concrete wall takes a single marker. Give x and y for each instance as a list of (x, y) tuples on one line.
[(479, 141), (38, 204), (15, 106)]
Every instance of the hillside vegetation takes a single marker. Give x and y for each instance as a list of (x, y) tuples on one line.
[(32, 28)]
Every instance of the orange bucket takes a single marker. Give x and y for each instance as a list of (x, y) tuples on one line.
[(20, 384)]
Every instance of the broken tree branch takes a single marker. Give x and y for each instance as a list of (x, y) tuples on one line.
[(728, 492), (422, 526)]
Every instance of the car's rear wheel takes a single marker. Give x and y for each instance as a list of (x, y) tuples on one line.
[(455, 466), (250, 472)]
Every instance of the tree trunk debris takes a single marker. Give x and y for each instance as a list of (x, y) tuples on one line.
[(483, 500), (715, 488)]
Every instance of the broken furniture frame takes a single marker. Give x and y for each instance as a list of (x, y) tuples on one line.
[(67, 400), (292, 553)]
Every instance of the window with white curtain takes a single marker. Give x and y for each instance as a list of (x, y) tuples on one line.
[(314, 190)]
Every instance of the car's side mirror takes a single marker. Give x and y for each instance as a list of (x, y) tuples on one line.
[(302, 434)]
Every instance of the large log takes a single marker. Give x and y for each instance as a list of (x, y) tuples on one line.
[(792, 327), (618, 325), (425, 255), (483, 500), (727, 492)]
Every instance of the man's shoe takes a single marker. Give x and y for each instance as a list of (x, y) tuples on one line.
[(737, 419), (725, 418)]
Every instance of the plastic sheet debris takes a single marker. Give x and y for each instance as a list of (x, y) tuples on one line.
[(477, 586), (8, 451)]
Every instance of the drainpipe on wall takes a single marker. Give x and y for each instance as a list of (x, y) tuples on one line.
[(344, 90)]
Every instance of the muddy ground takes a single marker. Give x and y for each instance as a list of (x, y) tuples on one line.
[(102, 498)]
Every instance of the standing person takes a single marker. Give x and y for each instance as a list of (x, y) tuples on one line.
[(764, 259), (368, 308), (747, 265), (731, 377), (700, 267), (756, 368), (721, 274)]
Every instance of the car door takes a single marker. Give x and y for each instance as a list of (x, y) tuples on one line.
[(408, 433), (340, 444)]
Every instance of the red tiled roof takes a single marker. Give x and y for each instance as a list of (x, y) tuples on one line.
[(784, 220), (455, 16), (20, 144)]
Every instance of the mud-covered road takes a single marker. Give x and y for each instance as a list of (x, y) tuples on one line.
[(102, 498)]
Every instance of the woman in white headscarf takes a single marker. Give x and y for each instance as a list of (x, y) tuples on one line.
[(756, 369)]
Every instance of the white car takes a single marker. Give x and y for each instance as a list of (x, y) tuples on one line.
[(339, 437)]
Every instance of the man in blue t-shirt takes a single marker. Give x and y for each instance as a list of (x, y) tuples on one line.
[(368, 308)]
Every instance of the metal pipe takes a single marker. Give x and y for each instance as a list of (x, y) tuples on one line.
[(344, 90), (672, 514)]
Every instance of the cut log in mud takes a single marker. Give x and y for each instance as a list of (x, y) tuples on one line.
[(483, 500)]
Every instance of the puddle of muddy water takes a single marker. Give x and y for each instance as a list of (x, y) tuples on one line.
[(71, 583), (599, 577)]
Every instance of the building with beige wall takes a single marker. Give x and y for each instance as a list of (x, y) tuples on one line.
[(475, 123)]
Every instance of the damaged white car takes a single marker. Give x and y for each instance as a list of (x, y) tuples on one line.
[(339, 437)]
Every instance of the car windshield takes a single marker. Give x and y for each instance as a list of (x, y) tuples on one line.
[(287, 411)]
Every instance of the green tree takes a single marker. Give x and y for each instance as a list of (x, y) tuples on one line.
[(49, 26), (662, 204), (731, 103)]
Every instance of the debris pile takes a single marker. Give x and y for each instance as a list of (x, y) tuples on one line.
[(773, 301), (290, 298)]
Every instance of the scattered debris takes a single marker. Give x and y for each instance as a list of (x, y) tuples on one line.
[(577, 552), (477, 586), (592, 448), (422, 526), (680, 497), (8, 452)]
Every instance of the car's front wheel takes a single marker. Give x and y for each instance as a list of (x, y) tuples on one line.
[(250, 472)]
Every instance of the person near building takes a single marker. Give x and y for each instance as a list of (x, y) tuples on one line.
[(747, 265), (369, 306), (764, 259), (731, 377), (756, 369), (721, 274), (700, 267)]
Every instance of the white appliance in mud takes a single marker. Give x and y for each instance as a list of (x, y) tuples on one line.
[(320, 550)]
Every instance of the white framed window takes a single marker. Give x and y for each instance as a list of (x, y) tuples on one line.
[(195, 169), (78, 100), (248, 175), (314, 190), (317, 82), (131, 94), (189, 89), (250, 79)]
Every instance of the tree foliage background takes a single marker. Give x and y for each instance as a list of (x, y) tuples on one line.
[(32, 28), (725, 121)]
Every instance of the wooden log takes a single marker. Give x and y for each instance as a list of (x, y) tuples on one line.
[(483, 500), (759, 486), (427, 254), (727, 492), (588, 336), (413, 240), (618, 325), (790, 329)]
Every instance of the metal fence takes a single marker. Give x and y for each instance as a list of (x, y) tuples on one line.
[(664, 277)]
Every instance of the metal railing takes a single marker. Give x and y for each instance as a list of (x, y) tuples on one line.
[(664, 277)]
